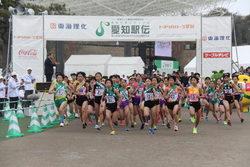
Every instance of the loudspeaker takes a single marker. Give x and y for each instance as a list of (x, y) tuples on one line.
[(42, 86), (12, 10), (43, 13), (29, 11), (20, 9)]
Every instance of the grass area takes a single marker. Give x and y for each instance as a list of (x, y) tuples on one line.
[(23, 124)]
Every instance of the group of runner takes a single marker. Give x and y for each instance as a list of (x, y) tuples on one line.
[(155, 100)]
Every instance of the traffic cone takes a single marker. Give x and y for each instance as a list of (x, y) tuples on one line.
[(19, 113), (7, 112), (14, 129), (45, 122), (34, 122), (52, 115)]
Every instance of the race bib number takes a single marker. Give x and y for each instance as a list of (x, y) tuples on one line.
[(139, 92), (149, 96), (173, 96), (98, 92), (110, 99), (61, 93), (193, 97), (82, 90), (228, 91)]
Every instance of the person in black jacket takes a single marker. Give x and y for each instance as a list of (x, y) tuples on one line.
[(49, 71)]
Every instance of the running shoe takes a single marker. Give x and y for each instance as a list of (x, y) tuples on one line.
[(241, 120), (90, 122), (121, 124), (193, 119), (135, 123), (103, 124), (155, 127), (159, 119), (84, 126), (96, 126), (99, 128), (230, 113), (179, 120), (218, 121), (151, 131), (206, 118), (202, 116), (76, 115), (146, 123), (61, 124), (229, 123), (168, 125), (142, 126), (220, 118), (66, 123), (127, 129), (163, 124), (190, 118), (205, 110), (195, 130), (116, 123), (112, 132), (132, 125), (175, 128), (225, 122)]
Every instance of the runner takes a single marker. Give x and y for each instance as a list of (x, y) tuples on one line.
[(74, 81), (205, 100), (194, 93), (81, 89), (124, 107), (162, 102), (139, 86), (220, 93), (91, 100), (110, 96), (237, 97), (60, 89), (171, 96), (131, 101), (168, 116), (213, 101), (97, 91), (150, 96), (157, 102)]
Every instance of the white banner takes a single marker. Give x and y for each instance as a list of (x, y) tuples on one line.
[(92, 28), (27, 49), (216, 45), (163, 48)]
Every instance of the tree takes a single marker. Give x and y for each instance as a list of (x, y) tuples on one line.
[(54, 9)]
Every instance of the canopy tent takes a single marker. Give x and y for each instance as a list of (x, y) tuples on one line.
[(90, 64), (243, 58), (125, 65)]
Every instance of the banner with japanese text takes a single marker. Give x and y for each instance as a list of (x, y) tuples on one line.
[(27, 49), (108, 28), (216, 44)]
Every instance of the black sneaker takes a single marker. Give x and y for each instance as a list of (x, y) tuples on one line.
[(229, 123), (241, 120), (168, 125), (132, 125), (142, 126), (84, 126), (116, 123)]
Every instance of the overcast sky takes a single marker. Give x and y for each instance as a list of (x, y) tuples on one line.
[(241, 6)]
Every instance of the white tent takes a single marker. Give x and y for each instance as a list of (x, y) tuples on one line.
[(90, 64), (243, 58), (191, 66), (125, 65)]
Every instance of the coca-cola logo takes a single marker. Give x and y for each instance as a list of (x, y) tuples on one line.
[(31, 52)]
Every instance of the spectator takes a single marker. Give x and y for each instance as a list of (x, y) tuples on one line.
[(13, 86), (49, 64), (248, 71), (125, 78), (184, 79), (3, 87), (134, 74), (29, 80)]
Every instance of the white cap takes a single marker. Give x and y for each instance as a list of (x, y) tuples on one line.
[(29, 68), (13, 73)]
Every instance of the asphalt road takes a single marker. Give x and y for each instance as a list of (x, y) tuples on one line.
[(215, 145)]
